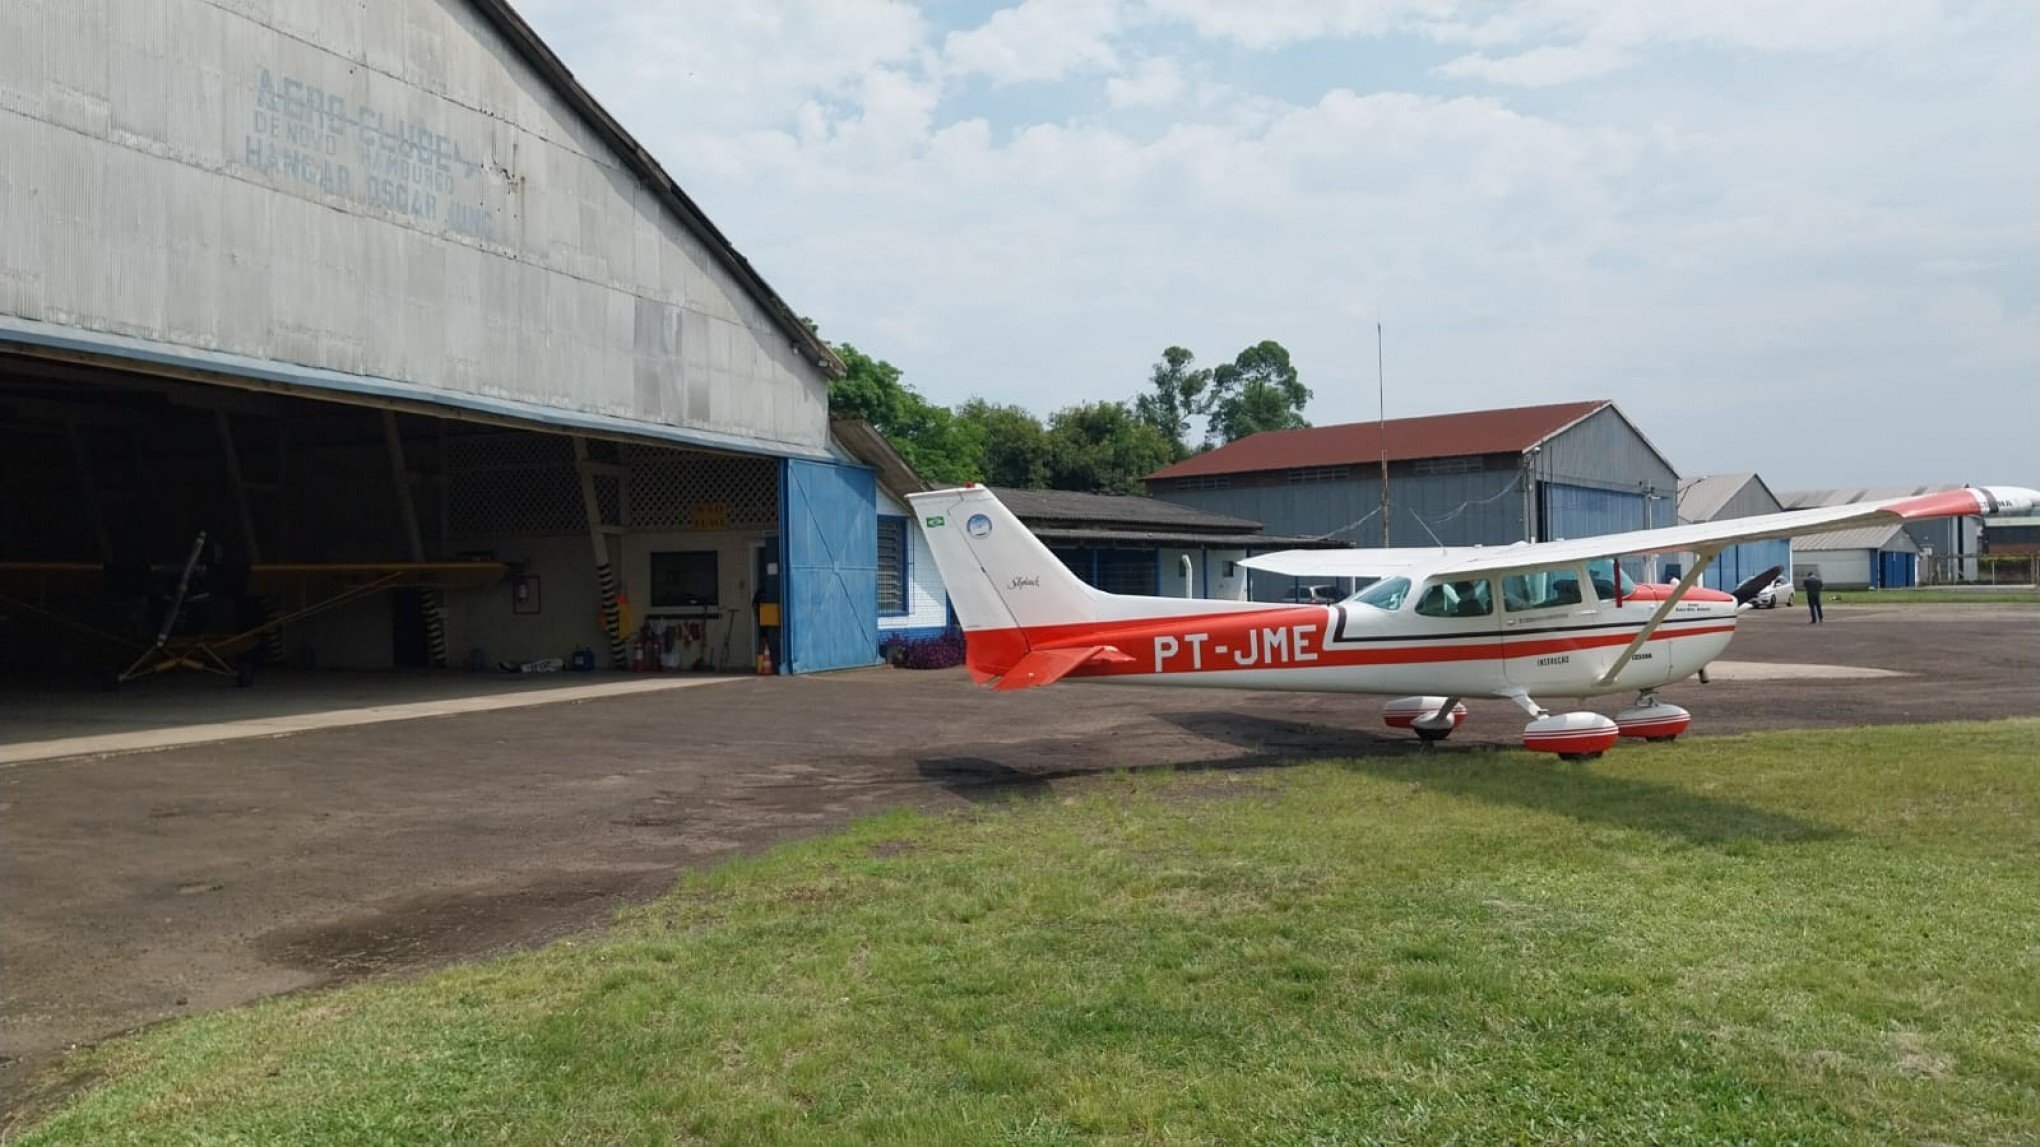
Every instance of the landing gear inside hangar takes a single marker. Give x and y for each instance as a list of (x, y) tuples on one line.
[(1577, 736)]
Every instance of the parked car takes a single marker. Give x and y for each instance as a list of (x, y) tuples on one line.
[(1774, 595), (1314, 595)]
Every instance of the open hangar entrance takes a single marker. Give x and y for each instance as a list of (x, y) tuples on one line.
[(405, 533)]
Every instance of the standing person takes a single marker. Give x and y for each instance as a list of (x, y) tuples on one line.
[(1813, 586)]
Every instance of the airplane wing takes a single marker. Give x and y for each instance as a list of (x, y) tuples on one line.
[(1700, 537), (272, 576)]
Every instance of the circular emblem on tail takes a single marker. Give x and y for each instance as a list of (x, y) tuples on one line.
[(979, 526)]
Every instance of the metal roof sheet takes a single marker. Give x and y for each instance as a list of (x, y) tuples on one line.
[(1849, 495), (1702, 499), (1189, 541), (1892, 537), (1128, 510), (1509, 431)]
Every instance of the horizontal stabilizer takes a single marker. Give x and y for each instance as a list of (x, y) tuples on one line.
[(1048, 666)]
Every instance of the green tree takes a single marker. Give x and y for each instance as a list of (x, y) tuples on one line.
[(925, 434), (1101, 447), (1010, 443), (1256, 391), (1178, 391)]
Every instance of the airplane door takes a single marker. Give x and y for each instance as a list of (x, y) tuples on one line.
[(1549, 626), (1457, 623)]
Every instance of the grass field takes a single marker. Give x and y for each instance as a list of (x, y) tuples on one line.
[(2009, 595), (1814, 938)]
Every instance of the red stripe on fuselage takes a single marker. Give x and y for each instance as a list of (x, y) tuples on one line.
[(1289, 638)]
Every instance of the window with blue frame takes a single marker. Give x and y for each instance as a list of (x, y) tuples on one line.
[(892, 566)]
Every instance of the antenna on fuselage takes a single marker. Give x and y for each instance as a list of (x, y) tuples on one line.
[(1381, 396)]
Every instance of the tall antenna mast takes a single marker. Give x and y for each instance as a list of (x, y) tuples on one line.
[(1381, 395)]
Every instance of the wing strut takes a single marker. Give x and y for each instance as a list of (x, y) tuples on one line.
[(1657, 618)]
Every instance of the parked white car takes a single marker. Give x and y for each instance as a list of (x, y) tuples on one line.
[(1774, 595)]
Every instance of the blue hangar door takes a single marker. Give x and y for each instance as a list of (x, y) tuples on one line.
[(829, 533)]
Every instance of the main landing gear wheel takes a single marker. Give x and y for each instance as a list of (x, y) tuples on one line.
[(1430, 718), (1652, 720)]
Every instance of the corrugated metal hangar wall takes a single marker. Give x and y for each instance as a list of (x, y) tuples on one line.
[(1596, 476), (380, 283)]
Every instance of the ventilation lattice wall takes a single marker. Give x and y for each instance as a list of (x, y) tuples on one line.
[(672, 489), (517, 484), (512, 484)]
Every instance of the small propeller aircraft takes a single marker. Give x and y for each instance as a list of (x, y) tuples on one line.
[(202, 615), (1438, 625)]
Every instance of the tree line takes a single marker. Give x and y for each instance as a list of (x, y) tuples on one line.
[(1098, 447)]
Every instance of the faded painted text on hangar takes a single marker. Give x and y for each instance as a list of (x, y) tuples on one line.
[(341, 285)]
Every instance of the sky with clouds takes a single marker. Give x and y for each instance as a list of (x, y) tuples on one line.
[(1799, 237)]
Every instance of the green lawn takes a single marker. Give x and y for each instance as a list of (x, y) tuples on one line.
[(2008, 595), (1810, 937)]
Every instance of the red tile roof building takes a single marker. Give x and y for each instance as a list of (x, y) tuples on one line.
[(1481, 477)]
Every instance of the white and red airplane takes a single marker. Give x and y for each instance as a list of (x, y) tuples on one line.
[(1552, 618)]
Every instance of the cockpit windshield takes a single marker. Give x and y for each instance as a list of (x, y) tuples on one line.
[(1384, 595)]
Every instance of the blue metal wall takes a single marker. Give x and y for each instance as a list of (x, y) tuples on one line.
[(1582, 512), (1745, 561), (1895, 570), (830, 588)]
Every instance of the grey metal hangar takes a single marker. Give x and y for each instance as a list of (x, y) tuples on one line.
[(388, 344)]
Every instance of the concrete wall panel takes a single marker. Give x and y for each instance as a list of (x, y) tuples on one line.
[(387, 192)]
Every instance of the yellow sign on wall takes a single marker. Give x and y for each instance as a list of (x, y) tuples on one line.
[(709, 517)]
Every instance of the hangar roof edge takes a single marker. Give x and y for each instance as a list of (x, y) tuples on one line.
[(1496, 431), (47, 340), (541, 58)]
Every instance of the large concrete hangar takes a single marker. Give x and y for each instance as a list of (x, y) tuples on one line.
[(346, 286)]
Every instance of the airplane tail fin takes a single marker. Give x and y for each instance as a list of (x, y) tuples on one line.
[(998, 574), (1026, 618)]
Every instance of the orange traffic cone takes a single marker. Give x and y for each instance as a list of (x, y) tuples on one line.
[(764, 660)]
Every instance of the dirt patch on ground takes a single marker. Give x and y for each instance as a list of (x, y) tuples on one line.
[(145, 887), (425, 931)]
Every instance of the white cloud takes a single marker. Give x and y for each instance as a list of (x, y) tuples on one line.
[(1540, 67), (1853, 231), (1155, 82), (1270, 24), (731, 66), (1040, 40), (1570, 40)]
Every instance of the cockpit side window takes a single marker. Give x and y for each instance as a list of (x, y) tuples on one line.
[(1609, 580), (1457, 599), (1541, 589)]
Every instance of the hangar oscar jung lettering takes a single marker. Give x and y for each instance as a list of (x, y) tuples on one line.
[(306, 137)]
